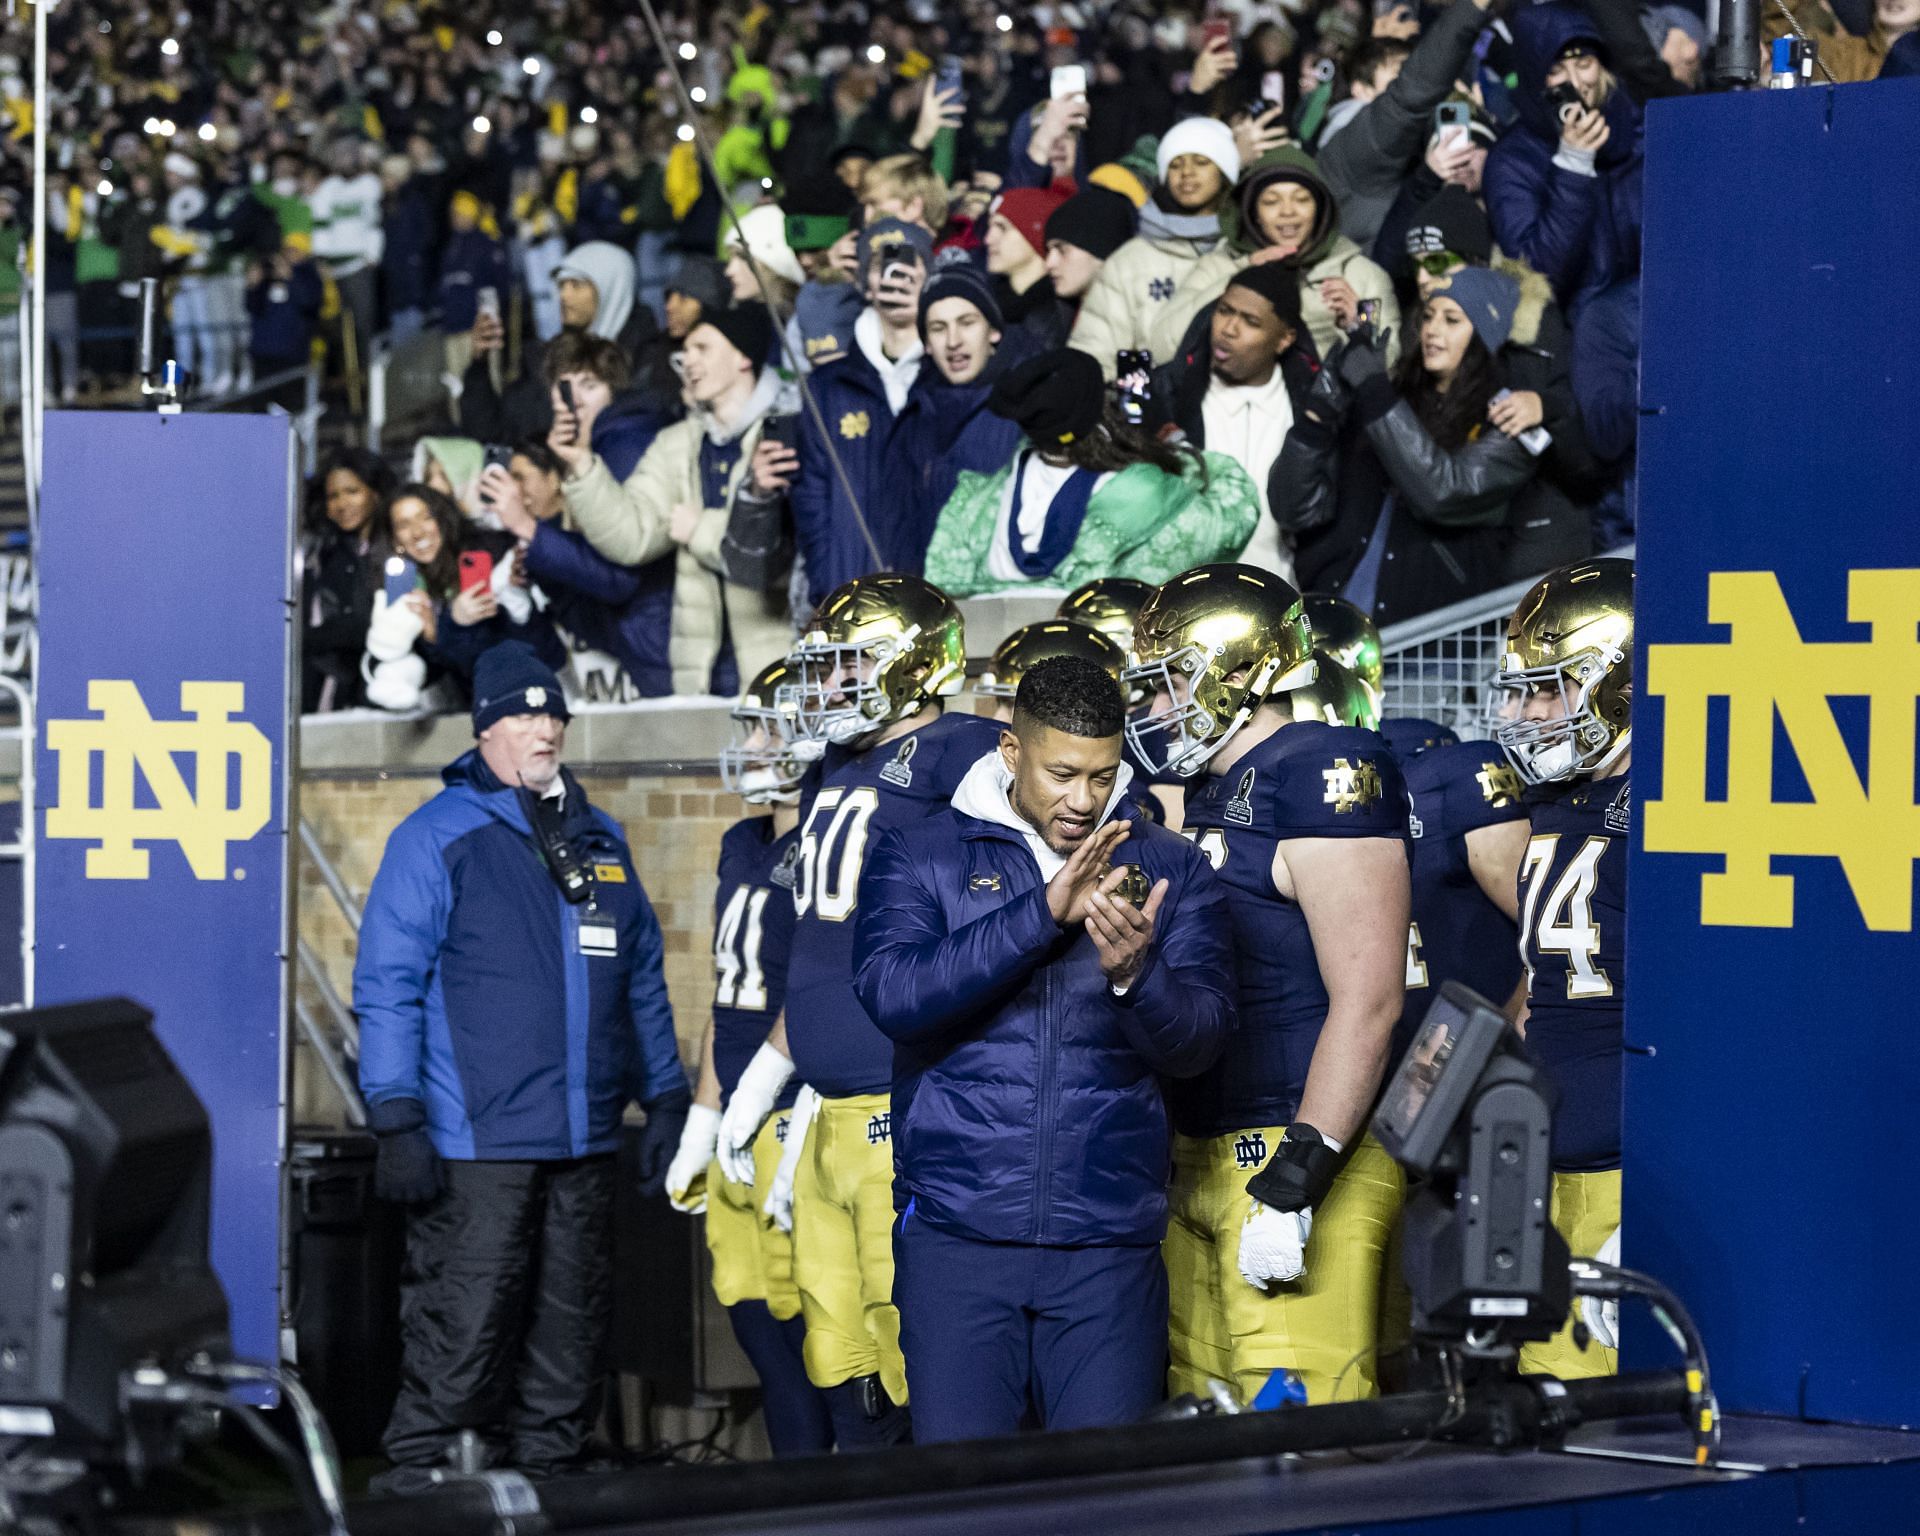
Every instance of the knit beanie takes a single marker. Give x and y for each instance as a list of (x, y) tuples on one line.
[(702, 279), (748, 327), (1053, 398), (1451, 221), (1205, 136), (1488, 299), (1278, 285), (1097, 221), (819, 210), (509, 679), (763, 231), (959, 278), (1027, 209)]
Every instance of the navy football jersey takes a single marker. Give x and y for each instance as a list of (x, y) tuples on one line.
[(1308, 780), (1573, 937), (752, 939), (835, 1045), (1457, 934)]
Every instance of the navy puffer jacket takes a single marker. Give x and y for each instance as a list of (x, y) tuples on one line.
[(1027, 1105), (1581, 232)]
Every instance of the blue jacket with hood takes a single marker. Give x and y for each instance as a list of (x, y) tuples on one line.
[(1027, 1104), (475, 997), (1581, 232)]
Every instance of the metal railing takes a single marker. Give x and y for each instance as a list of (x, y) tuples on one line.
[(1436, 667), (21, 848), (338, 1051)]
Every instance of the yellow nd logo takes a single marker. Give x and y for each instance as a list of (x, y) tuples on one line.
[(125, 735), (1764, 667)]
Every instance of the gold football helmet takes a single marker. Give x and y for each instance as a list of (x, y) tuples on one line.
[(880, 649), (1109, 604), (1338, 695), (763, 762), (1037, 642), (1571, 639), (1342, 631), (1217, 643)]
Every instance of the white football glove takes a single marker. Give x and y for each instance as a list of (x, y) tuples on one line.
[(1602, 1317), (779, 1206), (1273, 1245), (691, 1159), (753, 1100)]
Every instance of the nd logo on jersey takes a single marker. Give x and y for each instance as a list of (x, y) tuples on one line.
[(1869, 821), (126, 736)]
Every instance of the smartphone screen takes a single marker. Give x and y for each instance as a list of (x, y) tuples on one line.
[(1215, 32), (949, 78), (402, 577), (476, 570), (487, 301), (1068, 80)]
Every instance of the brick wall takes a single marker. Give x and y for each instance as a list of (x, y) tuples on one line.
[(673, 822)]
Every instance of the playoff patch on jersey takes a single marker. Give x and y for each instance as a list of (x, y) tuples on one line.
[(900, 770), (1620, 813), (1239, 809)]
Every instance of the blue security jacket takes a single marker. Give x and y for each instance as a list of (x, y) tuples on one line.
[(475, 997), (1027, 1105), (1580, 232)]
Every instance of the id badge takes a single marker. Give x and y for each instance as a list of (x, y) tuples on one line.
[(598, 935)]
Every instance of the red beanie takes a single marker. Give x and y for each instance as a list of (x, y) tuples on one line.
[(1027, 209)]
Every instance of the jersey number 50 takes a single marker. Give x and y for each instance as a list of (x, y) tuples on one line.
[(832, 844)]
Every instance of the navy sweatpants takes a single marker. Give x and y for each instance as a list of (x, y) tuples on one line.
[(991, 1329)]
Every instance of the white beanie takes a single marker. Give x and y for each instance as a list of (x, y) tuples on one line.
[(764, 231), (1205, 136)]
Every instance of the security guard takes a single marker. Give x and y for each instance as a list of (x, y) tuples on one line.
[(1306, 821), (876, 663), (1569, 660), (1034, 1005), (727, 1172), (511, 1004)]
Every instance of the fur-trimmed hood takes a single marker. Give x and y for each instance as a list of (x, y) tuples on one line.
[(1536, 293)]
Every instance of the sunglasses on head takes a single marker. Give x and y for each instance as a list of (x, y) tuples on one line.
[(1439, 263)]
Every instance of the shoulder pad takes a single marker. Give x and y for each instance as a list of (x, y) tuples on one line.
[(1332, 781)]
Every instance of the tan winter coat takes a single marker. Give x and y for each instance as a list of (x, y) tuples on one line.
[(1121, 307), (628, 522)]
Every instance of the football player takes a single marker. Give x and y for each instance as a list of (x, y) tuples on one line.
[(1036, 642), (1281, 1203), (1349, 636), (1569, 660), (875, 664), (745, 1073)]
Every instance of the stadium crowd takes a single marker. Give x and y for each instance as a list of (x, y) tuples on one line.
[(1363, 279)]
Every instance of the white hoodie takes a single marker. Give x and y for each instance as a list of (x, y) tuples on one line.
[(983, 794)]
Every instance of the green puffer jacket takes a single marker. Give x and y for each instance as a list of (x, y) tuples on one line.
[(1142, 523)]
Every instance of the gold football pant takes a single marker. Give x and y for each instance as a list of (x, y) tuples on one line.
[(752, 1258), (1586, 1209), (1224, 1329), (843, 1245)]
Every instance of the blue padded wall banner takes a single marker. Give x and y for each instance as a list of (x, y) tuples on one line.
[(165, 650), (1773, 1076)]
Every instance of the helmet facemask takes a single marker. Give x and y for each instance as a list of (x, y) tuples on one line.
[(761, 764), (1575, 741), (843, 696), (1204, 712)]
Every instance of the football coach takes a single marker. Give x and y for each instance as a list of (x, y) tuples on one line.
[(1040, 955)]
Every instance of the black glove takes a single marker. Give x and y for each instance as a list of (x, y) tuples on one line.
[(660, 1139), (1300, 1172), (407, 1170), (1363, 357)]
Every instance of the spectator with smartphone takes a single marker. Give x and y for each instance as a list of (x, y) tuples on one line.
[(1179, 227), (1017, 259), (1399, 493), (1563, 185), (342, 556), (1235, 387), (1289, 215), (676, 500), (1368, 153), (474, 267), (1084, 494), (1456, 159), (849, 528), (284, 296)]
